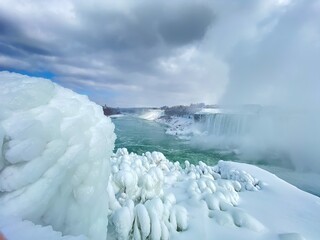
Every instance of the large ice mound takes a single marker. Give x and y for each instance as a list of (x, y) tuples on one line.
[(54, 156)]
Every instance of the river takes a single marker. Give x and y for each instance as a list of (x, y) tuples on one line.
[(139, 136)]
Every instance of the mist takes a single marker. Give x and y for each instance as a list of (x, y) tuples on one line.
[(273, 60), (281, 66), (272, 136)]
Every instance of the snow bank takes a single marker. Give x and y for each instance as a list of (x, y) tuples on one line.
[(153, 198), (54, 152), (17, 229), (152, 114), (182, 127)]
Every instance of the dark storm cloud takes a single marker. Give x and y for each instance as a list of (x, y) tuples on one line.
[(31, 48), (8, 31), (6, 26), (100, 44), (14, 40), (145, 26), (138, 38), (187, 24), (8, 50)]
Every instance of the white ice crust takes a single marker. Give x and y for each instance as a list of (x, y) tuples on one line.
[(54, 157)]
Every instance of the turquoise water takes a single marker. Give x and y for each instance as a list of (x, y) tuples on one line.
[(140, 136)]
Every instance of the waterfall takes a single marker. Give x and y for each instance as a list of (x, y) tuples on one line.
[(223, 124)]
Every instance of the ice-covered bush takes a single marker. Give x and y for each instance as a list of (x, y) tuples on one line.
[(138, 207), (154, 219), (218, 186), (147, 193), (54, 156)]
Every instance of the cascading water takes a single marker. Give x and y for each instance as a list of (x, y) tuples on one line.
[(227, 125), (269, 136)]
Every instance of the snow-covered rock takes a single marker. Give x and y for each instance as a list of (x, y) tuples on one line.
[(54, 157)]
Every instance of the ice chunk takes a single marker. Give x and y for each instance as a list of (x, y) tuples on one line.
[(181, 218), (55, 146), (22, 93), (122, 222), (143, 219)]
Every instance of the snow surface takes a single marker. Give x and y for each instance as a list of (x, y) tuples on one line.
[(181, 127), (54, 166), (211, 111), (152, 114), (15, 228), (116, 115)]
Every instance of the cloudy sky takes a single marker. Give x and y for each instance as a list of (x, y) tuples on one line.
[(154, 53)]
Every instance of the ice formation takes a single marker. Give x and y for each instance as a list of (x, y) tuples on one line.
[(153, 198), (138, 207), (54, 164), (144, 203)]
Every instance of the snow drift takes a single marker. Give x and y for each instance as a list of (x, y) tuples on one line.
[(54, 156)]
